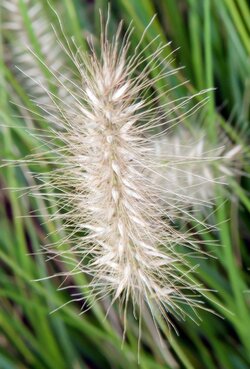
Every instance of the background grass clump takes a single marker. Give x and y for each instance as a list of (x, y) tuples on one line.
[(214, 45)]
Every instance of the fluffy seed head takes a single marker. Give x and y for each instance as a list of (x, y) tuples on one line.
[(117, 220), (190, 167), (30, 71)]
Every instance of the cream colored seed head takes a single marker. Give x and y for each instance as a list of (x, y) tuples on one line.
[(20, 55), (115, 216), (190, 167)]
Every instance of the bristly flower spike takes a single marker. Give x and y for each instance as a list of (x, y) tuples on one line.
[(193, 167), (20, 54), (116, 219)]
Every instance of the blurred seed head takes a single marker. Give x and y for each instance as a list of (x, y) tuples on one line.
[(29, 48), (190, 167)]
